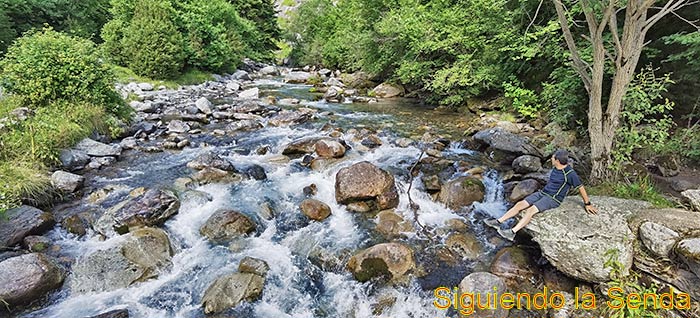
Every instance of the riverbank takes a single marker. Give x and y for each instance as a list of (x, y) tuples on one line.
[(305, 206)]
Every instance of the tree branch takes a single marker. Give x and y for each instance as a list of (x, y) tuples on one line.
[(578, 63)]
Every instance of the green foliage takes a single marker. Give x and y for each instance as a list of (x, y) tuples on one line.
[(262, 14), (641, 189), (47, 66), (524, 101), (152, 42), (644, 122), (637, 307), (83, 18), (690, 55), (188, 77), (21, 181), (566, 99)]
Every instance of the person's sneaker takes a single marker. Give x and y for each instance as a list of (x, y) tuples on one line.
[(507, 234), (493, 223)]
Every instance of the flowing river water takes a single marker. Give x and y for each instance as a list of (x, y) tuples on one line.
[(300, 283)]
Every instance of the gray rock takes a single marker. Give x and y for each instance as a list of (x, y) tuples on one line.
[(483, 284), (576, 242), (502, 140), (269, 70), (466, 246), (203, 105), (365, 181), (230, 290), (297, 77), (658, 238), (21, 113), (527, 164), (23, 221), (324, 72), (146, 107), (251, 93), (26, 278), (211, 160), (256, 172), (523, 189), (241, 75), (315, 209), (390, 260), (142, 255), (178, 127), (233, 85), (253, 266), (688, 250), (66, 182), (683, 222), (248, 106), (226, 225), (72, 159), (288, 118), (98, 149), (145, 87), (693, 196), (334, 82), (128, 143), (119, 313), (144, 208), (462, 192), (244, 125), (387, 90), (391, 225)]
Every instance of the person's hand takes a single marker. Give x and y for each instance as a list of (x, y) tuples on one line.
[(591, 209)]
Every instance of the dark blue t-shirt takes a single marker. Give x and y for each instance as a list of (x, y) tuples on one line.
[(560, 182)]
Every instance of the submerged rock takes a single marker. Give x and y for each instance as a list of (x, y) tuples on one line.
[(23, 221), (577, 243), (142, 255), (26, 278), (388, 260), (462, 192), (228, 291), (225, 225), (119, 313), (365, 181), (467, 246)]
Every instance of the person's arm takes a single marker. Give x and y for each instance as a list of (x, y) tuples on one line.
[(586, 201)]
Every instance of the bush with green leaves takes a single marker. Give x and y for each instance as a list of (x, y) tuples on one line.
[(645, 121), (152, 44), (523, 101), (621, 285), (262, 14), (47, 66)]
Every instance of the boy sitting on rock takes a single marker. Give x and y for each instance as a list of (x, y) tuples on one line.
[(562, 178)]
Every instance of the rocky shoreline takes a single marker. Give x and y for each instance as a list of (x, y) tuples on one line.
[(221, 112)]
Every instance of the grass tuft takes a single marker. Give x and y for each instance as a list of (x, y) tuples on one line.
[(642, 189)]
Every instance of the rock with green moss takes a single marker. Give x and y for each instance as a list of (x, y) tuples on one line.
[(462, 192)]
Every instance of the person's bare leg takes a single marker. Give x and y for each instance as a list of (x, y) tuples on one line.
[(522, 204), (529, 213)]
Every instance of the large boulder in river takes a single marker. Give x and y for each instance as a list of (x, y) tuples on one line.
[(225, 225), (527, 164), (230, 290), (688, 250), (501, 140), (365, 181), (21, 222), (577, 243), (297, 77), (26, 278), (462, 192), (326, 148), (483, 284), (141, 255), (388, 260), (143, 208), (387, 90)]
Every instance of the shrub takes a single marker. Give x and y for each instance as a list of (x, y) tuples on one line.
[(152, 44), (622, 286), (47, 66), (262, 14), (214, 34), (524, 101)]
